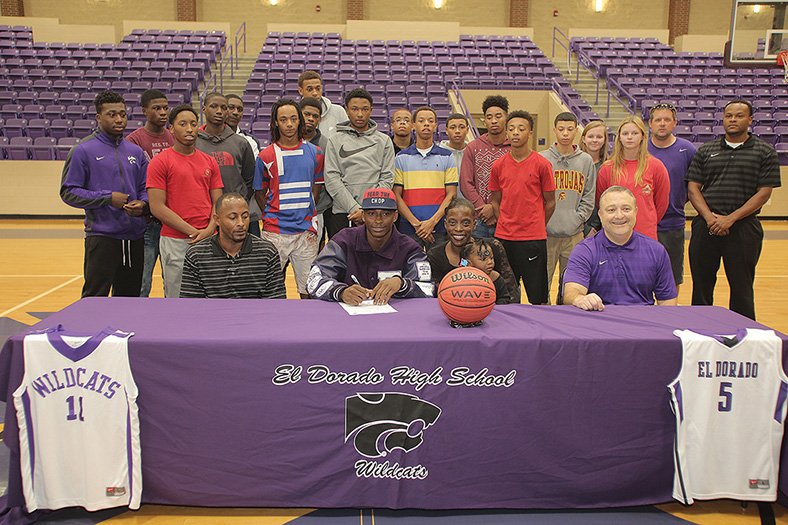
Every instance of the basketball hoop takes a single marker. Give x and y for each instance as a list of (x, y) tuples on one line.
[(782, 60)]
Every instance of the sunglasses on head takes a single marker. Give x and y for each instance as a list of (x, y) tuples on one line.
[(663, 105)]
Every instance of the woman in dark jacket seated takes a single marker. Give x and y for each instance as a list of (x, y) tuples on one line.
[(460, 220)]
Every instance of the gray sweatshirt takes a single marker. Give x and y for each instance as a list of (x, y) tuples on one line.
[(575, 187), (236, 162), (331, 116), (356, 161), (234, 156)]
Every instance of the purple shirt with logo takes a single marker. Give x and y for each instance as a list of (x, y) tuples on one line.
[(676, 158), (633, 273)]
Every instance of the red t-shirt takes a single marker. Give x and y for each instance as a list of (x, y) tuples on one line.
[(150, 143), (522, 186), (188, 181), (652, 196)]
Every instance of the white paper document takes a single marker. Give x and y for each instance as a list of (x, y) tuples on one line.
[(368, 307)]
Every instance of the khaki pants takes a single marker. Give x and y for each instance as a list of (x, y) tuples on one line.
[(558, 250), (298, 248)]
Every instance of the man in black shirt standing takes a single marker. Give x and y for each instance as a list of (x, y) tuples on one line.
[(729, 180)]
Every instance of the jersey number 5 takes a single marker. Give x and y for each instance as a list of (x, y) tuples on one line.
[(727, 397), (74, 409)]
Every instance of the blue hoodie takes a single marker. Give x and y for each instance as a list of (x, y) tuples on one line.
[(96, 167)]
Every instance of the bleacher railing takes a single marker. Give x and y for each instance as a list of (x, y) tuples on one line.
[(216, 80), (565, 44), (240, 36), (464, 108), (583, 62)]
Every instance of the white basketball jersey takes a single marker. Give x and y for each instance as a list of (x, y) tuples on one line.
[(729, 401), (78, 427)]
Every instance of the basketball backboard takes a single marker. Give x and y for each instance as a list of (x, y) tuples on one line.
[(758, 32)]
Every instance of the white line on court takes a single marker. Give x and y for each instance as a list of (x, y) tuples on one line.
[(39, 296), (33, 275)]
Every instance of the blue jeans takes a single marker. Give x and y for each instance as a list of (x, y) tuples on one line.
[(152, 234), (482, 230)]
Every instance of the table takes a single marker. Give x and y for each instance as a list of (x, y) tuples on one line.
[(256, 403)]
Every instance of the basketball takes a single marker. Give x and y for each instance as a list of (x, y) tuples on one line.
[(466, 295)]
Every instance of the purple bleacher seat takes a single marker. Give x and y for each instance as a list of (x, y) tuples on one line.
[(83, 127), (59, 128), (44, 148), (10, 110), (22, 84), (30, 111), (140, 86), (75, 112), (702, 133), (19, 148), (765, 118), (38, 127), (705, 117), (8, 97), (780, 104), (59, 84), (192, 77), (150, 75), (64, 146), (782, 152), (53, 111), (766, 133), (184, 88)]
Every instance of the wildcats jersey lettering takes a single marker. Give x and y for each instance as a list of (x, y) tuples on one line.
[(729, 400), (78, 425)]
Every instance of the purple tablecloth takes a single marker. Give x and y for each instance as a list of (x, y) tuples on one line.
[(256, 403)]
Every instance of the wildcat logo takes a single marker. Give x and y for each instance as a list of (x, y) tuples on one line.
[(379, 423), (132, 160)]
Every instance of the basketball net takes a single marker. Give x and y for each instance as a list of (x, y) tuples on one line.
[(782, 60)]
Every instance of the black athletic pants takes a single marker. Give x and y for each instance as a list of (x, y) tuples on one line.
[(113, 264), (739, 251), (528, 260), (334, 222)]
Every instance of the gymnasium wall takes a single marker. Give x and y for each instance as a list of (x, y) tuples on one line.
[(258, 15), (106, 12), (700, 43), (710, 17), (707, 17), (466, 12), (32, 188)]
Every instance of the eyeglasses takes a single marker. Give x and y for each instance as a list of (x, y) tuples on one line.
[(663, 105)]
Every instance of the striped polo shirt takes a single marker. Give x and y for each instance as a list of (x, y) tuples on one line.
[(254, 273), (730, 176), (424, 179), (632, 273), (288, 174)]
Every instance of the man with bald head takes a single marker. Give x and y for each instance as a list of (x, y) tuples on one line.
[(618, 265), (232, 264)]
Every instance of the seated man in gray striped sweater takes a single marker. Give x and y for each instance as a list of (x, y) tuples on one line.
[(232, 264)]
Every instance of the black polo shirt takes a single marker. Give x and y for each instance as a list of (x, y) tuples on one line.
[(255, 272), (730, 176)]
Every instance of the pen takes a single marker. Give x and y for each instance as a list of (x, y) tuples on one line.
[(355, 280)]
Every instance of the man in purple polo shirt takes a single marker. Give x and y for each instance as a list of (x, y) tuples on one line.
[(676, 154), (372, 261), (618, 265)]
